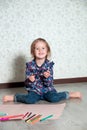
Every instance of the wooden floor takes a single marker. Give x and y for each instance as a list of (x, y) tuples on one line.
[(74, 116)]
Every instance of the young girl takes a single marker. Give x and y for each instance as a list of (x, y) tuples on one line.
[(39, 78)]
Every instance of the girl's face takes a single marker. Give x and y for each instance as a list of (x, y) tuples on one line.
[(40, 50)]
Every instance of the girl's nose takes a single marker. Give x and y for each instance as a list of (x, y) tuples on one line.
[(40, 50)]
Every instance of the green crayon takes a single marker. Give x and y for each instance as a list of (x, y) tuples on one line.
[(47, 117), (2, 114)]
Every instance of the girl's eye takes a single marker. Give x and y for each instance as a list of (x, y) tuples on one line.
[(43, 48), (36, 48)]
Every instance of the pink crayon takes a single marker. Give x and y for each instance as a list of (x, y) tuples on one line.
[(4, 119)]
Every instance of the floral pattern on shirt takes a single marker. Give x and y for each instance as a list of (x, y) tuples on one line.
[(41, 84)]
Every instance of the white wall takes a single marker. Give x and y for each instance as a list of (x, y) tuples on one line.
[(63, 23)]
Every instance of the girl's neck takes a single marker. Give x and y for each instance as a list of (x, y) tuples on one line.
[(39, 62)]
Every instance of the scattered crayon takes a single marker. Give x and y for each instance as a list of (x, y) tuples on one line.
[(47, 117), (3, 114), (30, 117), (26, 115)]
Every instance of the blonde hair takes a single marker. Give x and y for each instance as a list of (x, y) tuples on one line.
[(33, 47)]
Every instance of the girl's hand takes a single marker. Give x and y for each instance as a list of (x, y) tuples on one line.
[(32, 78), (46, 74)]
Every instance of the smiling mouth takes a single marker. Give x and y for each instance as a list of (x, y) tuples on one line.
[(41, 53)]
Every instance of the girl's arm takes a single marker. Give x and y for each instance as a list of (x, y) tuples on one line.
[(48, 77), (29, 76)]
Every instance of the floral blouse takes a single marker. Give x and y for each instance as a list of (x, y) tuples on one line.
[(41, 84)]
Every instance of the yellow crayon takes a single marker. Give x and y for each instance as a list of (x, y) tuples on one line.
[(36, 117)]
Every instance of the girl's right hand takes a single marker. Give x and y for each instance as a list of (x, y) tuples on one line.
[(46, 74), (32, 78)]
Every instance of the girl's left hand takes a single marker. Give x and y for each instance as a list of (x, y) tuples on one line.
[(46, 74)]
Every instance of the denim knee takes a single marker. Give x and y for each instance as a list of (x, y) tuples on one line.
[(51, 96), (32, 98), (29, 98), (55, 96)]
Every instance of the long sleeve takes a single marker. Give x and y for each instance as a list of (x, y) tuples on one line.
[(48, 82), (28, 72), (29, 69)]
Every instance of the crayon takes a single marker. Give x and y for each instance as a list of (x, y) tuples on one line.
[(35, 121), (2, 114), (14, 116), (30, 117), (7, 119), (29, 114), (47, 117), (4, 119), (35, 118), (25, 114)]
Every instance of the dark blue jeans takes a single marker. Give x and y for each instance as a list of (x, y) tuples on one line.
[(33, 97)]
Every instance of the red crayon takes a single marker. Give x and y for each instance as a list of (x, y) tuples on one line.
[(25, 114), (14, 116)]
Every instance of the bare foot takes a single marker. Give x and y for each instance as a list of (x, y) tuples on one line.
[(75, 95), (8, 98)]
